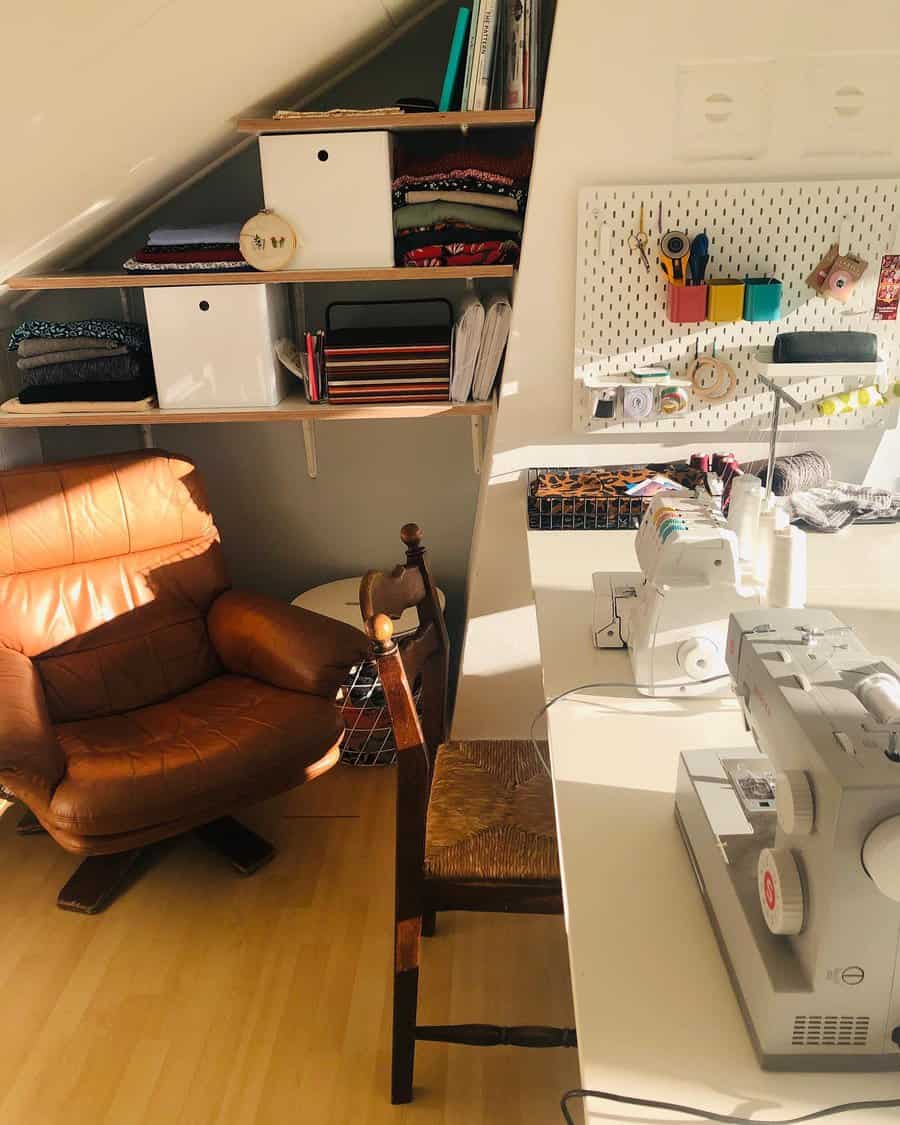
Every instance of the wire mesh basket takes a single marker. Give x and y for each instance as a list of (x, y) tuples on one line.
[(369, 738), (581, 512)]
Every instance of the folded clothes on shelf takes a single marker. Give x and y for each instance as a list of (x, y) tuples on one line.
[(103, 369), (213, 248), (471, 197), (69, 355), (81, 361), (415, 216), (463, 254), (40, 337), (127, 391)]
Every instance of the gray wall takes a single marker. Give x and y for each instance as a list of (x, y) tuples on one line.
[(282, 531)]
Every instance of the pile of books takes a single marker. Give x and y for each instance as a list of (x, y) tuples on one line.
[(503, 47), (372, 365)]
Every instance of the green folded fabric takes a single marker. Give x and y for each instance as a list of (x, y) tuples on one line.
[(427, 214)]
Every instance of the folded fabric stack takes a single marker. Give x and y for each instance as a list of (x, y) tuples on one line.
[(82, 361), (206, 249), (461, 207)]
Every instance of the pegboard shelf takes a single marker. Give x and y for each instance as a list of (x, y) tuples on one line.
[(775, 230), (789, 372)]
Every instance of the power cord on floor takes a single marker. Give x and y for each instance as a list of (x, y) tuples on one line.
[(605, 684), (728, 1118)]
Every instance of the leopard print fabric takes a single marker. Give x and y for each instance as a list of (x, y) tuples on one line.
[(593, 484)]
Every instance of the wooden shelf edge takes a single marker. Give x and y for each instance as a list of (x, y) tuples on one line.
[(65, 280), (293, 409), (394, 122)]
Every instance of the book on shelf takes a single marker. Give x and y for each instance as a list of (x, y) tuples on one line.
[(506, 55), (450, 92)]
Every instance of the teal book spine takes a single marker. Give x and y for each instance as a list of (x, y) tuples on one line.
[(451, 77)]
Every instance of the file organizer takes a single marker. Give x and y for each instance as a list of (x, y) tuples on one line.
[(756, 230)]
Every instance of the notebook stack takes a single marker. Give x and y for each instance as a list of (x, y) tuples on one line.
[(381, 365)]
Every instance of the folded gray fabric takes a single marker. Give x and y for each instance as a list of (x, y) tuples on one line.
[(112, 369), (195, 236), (68, 356), (47, 345), (837, 505)]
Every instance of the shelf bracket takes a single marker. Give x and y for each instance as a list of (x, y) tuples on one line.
[(309, 444), (477, 442), (146, 435)]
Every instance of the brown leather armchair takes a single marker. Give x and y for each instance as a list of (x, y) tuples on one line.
[(140, 696)]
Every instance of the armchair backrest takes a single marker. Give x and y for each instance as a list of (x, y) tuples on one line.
[(108, 568)]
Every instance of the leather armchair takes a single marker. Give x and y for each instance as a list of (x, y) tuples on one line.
[(140, 696)]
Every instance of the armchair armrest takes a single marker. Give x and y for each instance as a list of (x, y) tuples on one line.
[(31, 760), (282, 644)]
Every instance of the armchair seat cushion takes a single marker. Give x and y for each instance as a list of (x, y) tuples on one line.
[(230, 741), (490, 815)]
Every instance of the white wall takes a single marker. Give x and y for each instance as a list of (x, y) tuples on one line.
[(103, 106), (608, 117)]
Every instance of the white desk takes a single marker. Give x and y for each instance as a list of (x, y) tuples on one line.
[(655, 1010)]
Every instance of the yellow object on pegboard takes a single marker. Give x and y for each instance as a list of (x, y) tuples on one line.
[(849, 401)]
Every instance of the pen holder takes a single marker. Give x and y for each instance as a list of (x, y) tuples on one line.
[(686, 304), (726, 300), (762, 298)]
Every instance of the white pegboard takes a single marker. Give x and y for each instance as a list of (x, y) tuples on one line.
[(755, 230)]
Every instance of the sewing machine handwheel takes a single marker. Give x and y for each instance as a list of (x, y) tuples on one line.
[(881, 857), (780, 891)]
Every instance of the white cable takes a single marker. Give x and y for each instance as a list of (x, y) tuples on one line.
[(603, 684)]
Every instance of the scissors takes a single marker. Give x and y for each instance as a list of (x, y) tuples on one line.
[(639, 241)]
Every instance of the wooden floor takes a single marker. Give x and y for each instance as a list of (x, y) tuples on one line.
[(203, 998)]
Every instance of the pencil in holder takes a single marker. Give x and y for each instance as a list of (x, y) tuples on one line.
[(686, 304), (726, 300), (762, 298)]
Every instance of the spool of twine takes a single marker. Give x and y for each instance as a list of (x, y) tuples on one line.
[(798, 472)]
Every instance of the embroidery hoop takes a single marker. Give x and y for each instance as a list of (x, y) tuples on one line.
[(268, 242)]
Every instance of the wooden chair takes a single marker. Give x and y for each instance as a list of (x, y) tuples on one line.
[(475, 821)]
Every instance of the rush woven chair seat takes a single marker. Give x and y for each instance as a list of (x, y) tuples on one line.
[(490, 816), (475, 827)]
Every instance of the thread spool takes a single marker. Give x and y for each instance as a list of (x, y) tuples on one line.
[(743, 514), (880, 695), (637, 402), (765, 536), (787, 581)]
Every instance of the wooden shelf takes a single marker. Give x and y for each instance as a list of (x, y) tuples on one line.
[(294, 408), (394, 122), (63, 279)]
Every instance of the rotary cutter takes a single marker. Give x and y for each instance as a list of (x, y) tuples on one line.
[(674, 248)]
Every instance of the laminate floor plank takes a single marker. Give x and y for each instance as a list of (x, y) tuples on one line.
[(204, 998)]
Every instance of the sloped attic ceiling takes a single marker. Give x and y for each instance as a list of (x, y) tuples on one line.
[(106, 105)]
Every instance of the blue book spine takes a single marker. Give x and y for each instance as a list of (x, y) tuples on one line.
[(456, 49)]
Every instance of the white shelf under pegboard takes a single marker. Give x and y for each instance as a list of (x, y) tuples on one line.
[(755, 230)]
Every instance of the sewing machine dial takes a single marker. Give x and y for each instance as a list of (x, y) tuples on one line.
[(881, 857), (780, 891)]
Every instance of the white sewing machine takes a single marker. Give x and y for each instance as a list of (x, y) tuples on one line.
[(797, 849), (674, 615)]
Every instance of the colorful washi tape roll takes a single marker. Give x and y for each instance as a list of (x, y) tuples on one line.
[(847, 402), (672, 400)]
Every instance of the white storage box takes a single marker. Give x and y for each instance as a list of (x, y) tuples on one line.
[(335, 191), (214, 345)]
